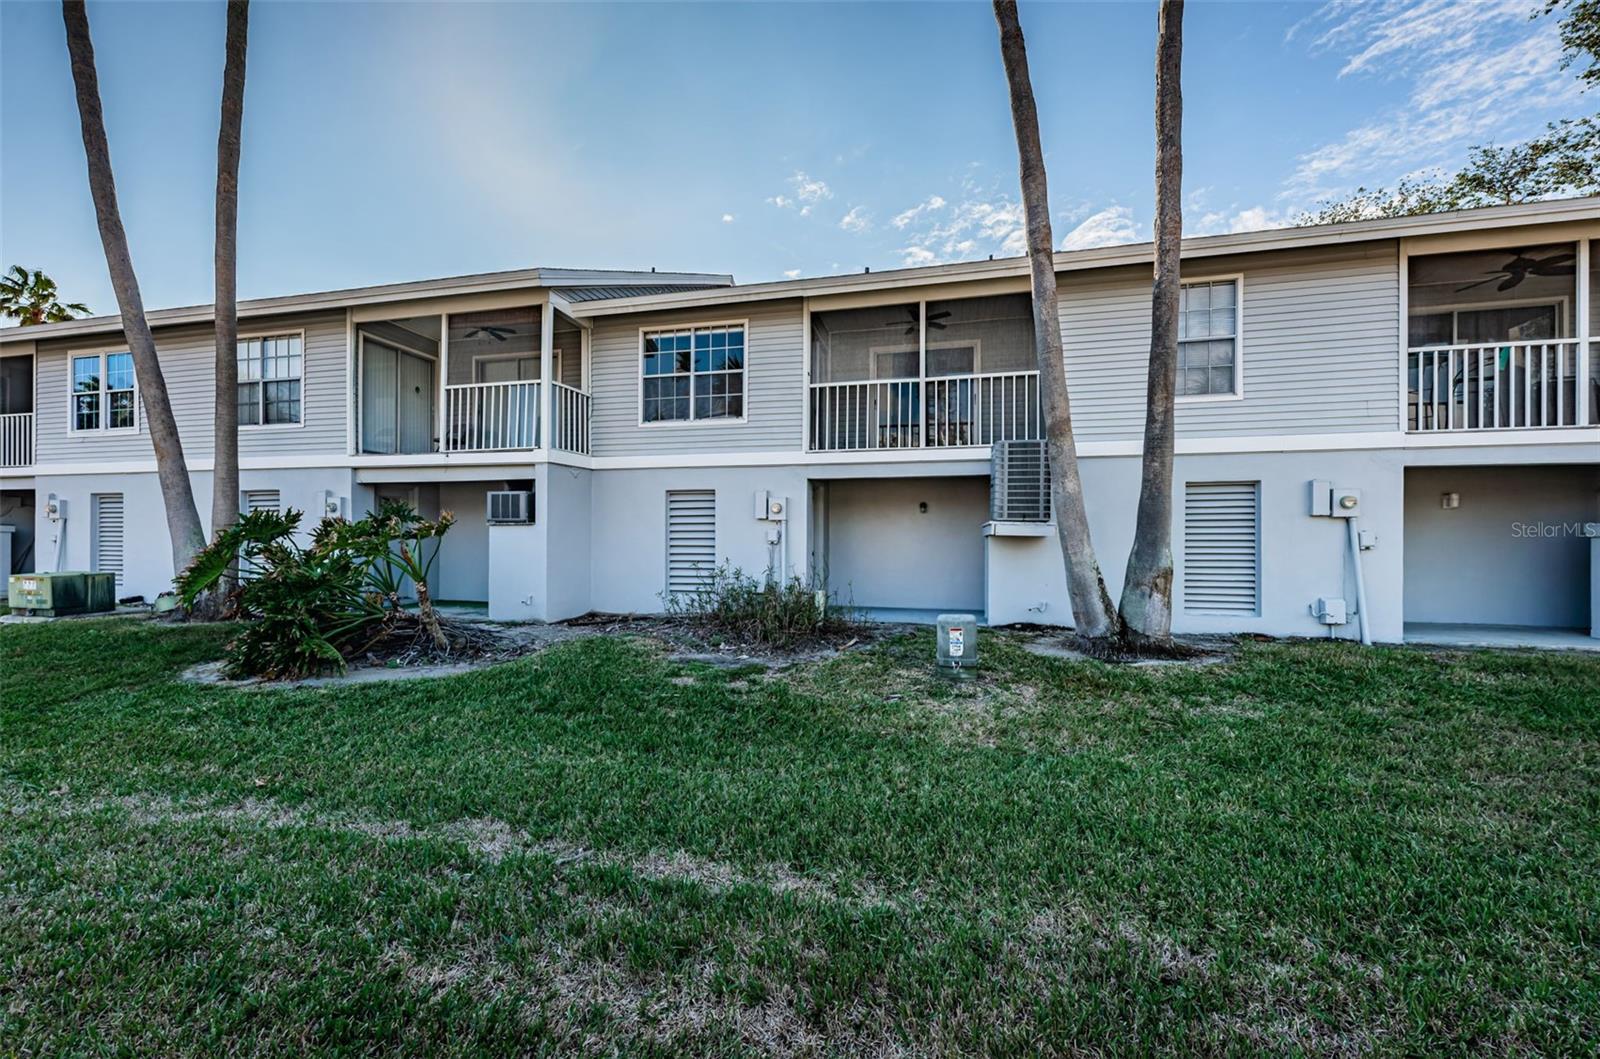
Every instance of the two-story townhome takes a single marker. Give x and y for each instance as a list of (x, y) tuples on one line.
[(1438, 372)]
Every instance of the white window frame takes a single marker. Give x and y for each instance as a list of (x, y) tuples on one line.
[(257, 336), (692, 421), (1237, 279), (921, 350), (1560, 303), (555, 363), (102, 430)]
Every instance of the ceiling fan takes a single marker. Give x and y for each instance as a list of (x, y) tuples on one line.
[(499, 334), (935, 320), (1522, 266)]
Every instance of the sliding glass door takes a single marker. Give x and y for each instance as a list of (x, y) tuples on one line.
[(397, 399)]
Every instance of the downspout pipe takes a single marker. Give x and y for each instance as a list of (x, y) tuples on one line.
[(1354, 535)]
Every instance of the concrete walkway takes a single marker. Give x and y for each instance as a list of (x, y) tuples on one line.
[(1500, 636)]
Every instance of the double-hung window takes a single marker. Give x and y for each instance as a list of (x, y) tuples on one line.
[(270, 370), (1208, 339), (103, 392), (693, 373)]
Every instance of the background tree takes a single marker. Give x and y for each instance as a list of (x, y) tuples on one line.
[(225, 466), (30, 298), (1092, 612), (1580, 37), (1146, 606), (177, 495), (1564, 160)]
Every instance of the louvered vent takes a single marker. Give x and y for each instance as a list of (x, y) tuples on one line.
[(510, 507), (691, 540), (251, 501), (1019, 482), (261, 500), (106, 533), (1221, 549)]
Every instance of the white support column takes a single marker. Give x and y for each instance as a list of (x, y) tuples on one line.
[(444, 378), (1585, 340), (1404, 406), (547, 343), (922, 372), (351, 375), (806, 432)]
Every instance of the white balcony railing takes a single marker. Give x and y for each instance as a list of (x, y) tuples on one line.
[(490, 416), (944, 411), (1501, 386), (570, 410), (16, 439)]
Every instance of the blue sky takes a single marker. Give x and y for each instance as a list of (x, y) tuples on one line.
[(387, 142)]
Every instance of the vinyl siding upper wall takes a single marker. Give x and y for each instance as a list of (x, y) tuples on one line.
[(774, 402), (186, 362), (1321, 341)]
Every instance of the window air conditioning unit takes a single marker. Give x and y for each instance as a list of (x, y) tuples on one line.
[(1019, 481), (510, 507)]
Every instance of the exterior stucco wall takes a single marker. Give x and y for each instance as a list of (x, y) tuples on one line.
[(1510, 554), (147, 552), (906, 543), (629, 530), (1301, 557)]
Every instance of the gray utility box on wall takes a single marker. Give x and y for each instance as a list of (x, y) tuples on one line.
[(958, 640)]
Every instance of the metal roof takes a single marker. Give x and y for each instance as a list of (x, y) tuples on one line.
[(562, 280), (590, 294)]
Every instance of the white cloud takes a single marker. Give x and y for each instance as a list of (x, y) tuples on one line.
[(963, 231), (932, 202), (856, 220), (1478, 72), (791, 273), (1250, 219), (727, 218), (1108, 227), (809, 190)]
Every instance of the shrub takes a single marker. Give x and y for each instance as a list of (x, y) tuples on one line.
[(735, 605), (309, 607)]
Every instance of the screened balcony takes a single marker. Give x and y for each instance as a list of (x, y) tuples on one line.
[(1498, 340), (938, 374), (16, 411), (470, 382)]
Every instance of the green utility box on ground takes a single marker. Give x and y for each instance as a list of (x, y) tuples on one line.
[(67, 592)]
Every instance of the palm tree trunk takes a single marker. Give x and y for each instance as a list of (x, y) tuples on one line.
[(1146, 608), (225, 468), (183, 519), (1092, 611)]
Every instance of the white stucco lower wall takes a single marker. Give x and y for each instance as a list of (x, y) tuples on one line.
[(906, 543), (1511, 553), (629, 529), (147, 549), (1301, 557)]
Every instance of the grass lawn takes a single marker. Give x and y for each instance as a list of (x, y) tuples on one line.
[(1313, 848)]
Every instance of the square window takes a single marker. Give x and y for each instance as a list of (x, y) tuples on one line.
[(692, 373)]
